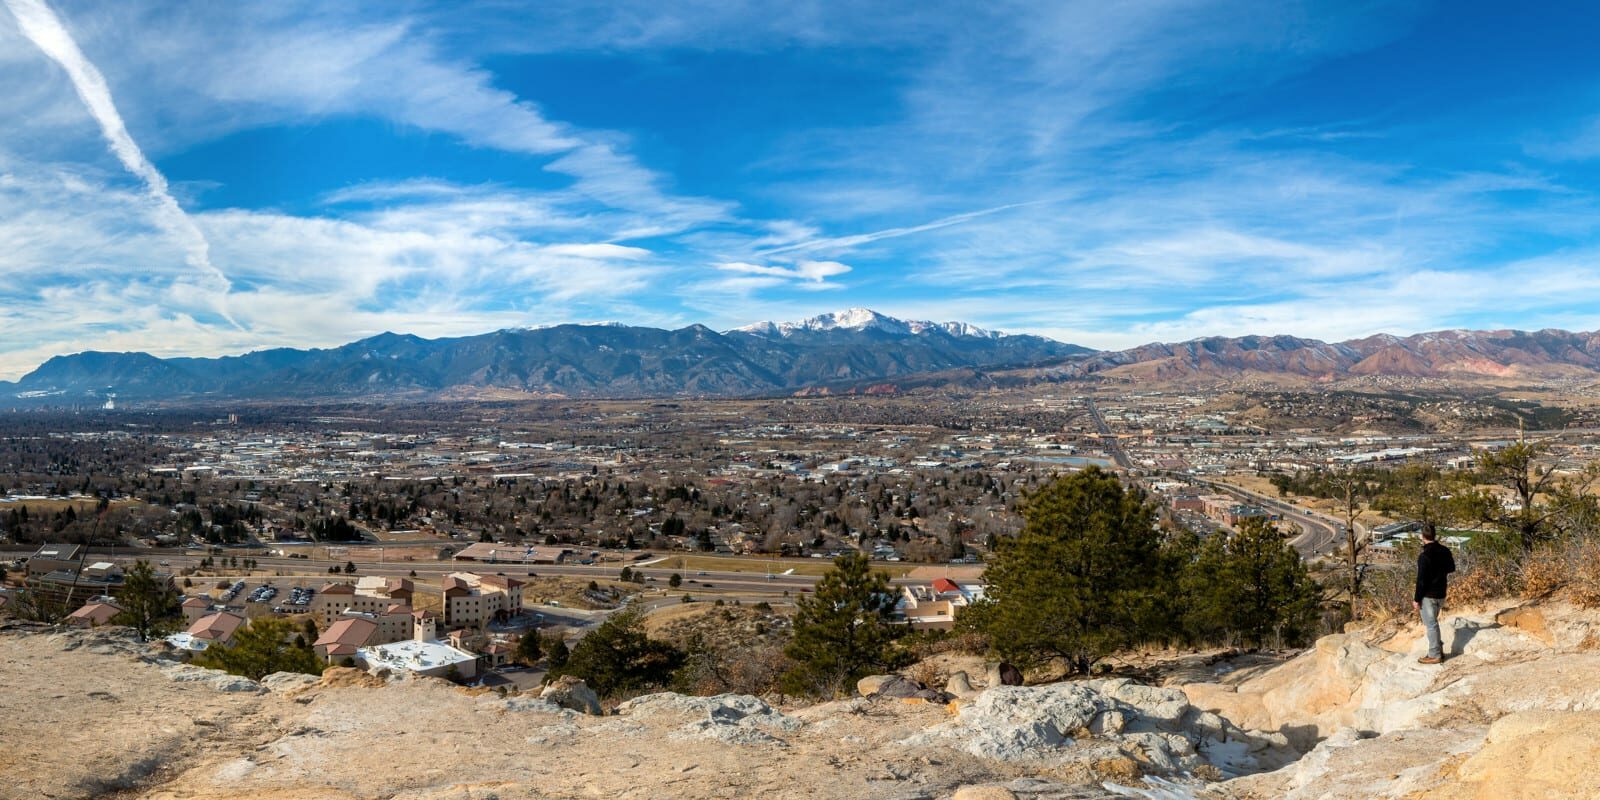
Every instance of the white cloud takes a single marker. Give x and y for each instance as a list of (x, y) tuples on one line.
[(41, 26), (807, 271), (300, 281)]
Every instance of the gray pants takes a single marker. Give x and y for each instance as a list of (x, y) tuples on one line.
[(1430, 623)]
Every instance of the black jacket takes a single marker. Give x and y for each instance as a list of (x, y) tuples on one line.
[(1433, 564)]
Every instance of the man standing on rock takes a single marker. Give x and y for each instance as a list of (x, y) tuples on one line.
[(1434, 564)]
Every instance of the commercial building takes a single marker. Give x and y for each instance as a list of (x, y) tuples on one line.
[(473, 601), (372, 596)]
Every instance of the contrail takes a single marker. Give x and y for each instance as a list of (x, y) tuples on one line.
[(44, 29)]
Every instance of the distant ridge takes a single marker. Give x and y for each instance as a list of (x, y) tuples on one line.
[(599, 360), (851, 350), (1459, 354)]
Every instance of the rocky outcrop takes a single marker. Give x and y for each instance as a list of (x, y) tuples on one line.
[(1509, 714), (959, 686), (572, 693), (1155, 728), (215, 679), (289, 682), (731, 718)]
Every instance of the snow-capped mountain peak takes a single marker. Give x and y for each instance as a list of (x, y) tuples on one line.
[(860, 319)]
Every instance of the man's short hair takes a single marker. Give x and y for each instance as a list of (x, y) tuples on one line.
[(1430, 535)]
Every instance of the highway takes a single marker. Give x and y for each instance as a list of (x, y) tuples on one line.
[(1318, 534), (1108, 439), (694, 581)]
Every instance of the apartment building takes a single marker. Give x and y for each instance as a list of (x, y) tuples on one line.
[(372, 596), (473, 601)]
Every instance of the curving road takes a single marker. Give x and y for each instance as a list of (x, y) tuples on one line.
[(1318, 534)]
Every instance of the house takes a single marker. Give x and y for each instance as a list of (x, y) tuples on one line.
[(211, 630), (473, 601), (194, 608), (96, 613), (935, 605), (343, 639)]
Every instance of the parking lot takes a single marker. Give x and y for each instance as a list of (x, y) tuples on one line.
[(286, 595)]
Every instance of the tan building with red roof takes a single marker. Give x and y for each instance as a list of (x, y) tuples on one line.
[(343, 639), (473, 601), (194, 608), (94, 614), (212, 630), (935, 605), (373, 596)]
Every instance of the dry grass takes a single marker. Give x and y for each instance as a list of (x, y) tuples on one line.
[(666, 616), (1565, 570), (54, 505), (572, 592)]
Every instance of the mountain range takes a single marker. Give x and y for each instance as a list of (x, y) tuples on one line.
[(849, 350), (1453, 354), (606, 360)]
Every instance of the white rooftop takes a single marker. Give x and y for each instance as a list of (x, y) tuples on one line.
[(183, 641), (415, 655)]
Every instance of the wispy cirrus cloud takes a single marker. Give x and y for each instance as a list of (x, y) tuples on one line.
[(44, 29)]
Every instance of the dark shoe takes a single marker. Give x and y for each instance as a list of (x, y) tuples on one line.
[(1430, 660)]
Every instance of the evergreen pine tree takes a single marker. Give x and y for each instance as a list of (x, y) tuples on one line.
[(265, 646), (1088, 575), (619, 657), (556, 652), (1252, 587), (149, 603), (528, 650), (843, 631)]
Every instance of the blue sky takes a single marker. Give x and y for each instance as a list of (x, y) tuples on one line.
[(205, 178)]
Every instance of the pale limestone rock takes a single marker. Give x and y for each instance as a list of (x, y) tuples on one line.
[(573, 693), (960, 686)]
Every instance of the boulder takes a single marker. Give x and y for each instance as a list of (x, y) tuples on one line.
[(887, 686), (960, 686), (1532, 754), (216, 679), (1011, 723), (1158, 704), (572, 693), (1528, 620)]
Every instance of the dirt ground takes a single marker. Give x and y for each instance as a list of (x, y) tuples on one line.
[(85, 717)]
